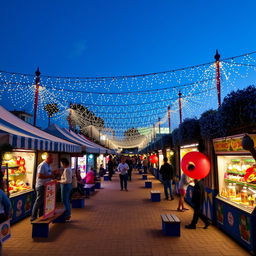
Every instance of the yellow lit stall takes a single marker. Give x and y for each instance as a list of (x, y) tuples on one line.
[(236, 201)]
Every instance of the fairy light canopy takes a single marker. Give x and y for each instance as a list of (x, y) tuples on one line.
[(127, 110)]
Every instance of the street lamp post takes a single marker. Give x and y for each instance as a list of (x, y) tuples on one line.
[(36, 94), (217, 64)]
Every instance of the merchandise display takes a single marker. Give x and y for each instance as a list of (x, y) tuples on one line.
[(20, 172), (235, 203), (236, 177)]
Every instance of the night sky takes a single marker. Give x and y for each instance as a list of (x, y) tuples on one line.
[(113, 38), (121, 37)]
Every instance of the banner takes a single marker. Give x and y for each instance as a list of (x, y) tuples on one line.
[(231, 144), (5, 231), (49, 199)]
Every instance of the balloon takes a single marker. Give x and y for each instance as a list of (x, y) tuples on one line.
[(196, 165), (153, 159)]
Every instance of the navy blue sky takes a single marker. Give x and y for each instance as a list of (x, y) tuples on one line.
[(115, 37), (121, 37)]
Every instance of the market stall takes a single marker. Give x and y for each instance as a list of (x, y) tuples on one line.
[(19, 165), (91, 151), (236, 201)]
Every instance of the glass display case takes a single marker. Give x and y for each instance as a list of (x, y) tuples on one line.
[(237, 180), (183, 151), (81, 165), (19, 172), (235, 202)]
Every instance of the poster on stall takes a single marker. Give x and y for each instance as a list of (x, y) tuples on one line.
[(5, 231), (49, 199)]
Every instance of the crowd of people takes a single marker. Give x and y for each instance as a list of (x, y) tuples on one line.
[(70, 181)]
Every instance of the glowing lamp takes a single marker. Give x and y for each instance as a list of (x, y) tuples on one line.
[(153, 159), (196, 165), (44, 155), (90, 156), (7, 156)]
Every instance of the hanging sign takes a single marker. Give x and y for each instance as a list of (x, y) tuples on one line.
[(49, 199), (231, 144)]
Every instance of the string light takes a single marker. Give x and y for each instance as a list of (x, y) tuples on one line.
[(124, 102)]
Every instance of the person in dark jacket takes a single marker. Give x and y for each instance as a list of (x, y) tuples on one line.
[(129, 162), (167, 173), (110, 168), (198, 200)]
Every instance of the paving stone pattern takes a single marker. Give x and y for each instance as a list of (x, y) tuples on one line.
[(121, 223)]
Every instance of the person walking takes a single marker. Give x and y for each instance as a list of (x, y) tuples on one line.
[(167, 173), (145, 165), (110, 168), (198, 197), (123, 170), (183, 184), (129, 162), (66, 186), (44, 174)]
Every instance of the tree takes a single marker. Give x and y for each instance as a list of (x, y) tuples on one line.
[(51, 109), (132, 132), (83, 117), (238, 112)]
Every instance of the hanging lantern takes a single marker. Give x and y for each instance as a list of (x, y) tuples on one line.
[(153, 159), (196, 165)]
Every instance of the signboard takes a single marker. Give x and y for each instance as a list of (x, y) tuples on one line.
[(231, 144), (5, 231), (49, 199)]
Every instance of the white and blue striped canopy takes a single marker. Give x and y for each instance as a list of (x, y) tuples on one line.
[(89, 146), (21, 135)]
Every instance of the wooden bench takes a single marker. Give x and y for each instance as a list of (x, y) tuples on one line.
[(40, 226), (144, 176), (89, 188), (170, 225), (155, 196), (148, 184), (78, 201), (106, 177)]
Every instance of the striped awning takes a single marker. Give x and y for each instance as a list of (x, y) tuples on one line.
[(22, 135), (90, 147)]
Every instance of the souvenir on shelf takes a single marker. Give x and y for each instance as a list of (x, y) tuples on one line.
[(19, 178), (239, 176)]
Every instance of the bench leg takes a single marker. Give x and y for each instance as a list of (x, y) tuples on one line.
[(60, 219), (171, 229), (78, 203), (40, 230), (87, 192)]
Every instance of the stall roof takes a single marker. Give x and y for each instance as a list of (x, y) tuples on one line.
[(22, 135), (89, 147), (103, 149)]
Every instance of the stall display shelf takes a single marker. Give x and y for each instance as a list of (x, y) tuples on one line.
[(241, 183), (241, 206), (236, 172), (21, 192)]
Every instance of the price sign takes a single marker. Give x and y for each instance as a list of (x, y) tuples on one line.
[(49, 199)]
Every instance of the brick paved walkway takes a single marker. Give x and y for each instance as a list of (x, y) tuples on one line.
[(121, 223)]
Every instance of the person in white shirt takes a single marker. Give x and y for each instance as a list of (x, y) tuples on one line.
[(66, 186), (123, 168), (44, 174)]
